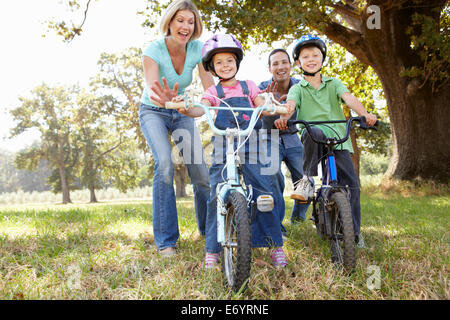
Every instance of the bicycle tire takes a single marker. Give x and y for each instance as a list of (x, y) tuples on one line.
[(318, 213), (236, 259), (342, 240)]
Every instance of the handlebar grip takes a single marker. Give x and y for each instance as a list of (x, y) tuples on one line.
[(175, 105), (374, 127)]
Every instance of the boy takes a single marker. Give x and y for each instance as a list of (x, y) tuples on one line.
[(316, 98)]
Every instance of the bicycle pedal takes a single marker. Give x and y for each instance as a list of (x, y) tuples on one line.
[(265, 203)]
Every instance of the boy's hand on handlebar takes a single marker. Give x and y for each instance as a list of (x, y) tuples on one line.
[(371, 119), (281, 123)]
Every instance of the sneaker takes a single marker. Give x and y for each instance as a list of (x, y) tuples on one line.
[(168, 252), (211, 260), (278, 258), (303, 190), (360, 243)]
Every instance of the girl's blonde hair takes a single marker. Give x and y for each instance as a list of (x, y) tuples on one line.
[(171, 11)]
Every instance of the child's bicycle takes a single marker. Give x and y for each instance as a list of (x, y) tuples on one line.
[(332, 214), (233, 200)]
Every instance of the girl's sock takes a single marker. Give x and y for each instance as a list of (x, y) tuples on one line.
[(278, 258), (211, 260)]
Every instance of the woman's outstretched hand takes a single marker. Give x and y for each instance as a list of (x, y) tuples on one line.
[(163, 93)]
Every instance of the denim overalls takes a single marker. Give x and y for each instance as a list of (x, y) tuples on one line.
[(266, 230)]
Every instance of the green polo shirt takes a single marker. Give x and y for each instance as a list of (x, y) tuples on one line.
[(322, 104)]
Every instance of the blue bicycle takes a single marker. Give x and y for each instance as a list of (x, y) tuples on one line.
[(234, 202), (332, 214)]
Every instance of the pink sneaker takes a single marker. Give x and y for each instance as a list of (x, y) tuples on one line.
[(278, 258), (211, 260)]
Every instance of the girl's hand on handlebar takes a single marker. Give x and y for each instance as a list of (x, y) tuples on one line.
[(164, 93)]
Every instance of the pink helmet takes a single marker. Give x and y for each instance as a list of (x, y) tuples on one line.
[(221, 43)]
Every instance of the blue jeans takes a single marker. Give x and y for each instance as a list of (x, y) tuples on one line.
[(293, 158), (156, 125)]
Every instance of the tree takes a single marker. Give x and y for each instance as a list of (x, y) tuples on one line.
[(48, 110), (102, 147), (406, 42)]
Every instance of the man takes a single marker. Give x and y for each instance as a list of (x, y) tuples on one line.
[(290, 145)]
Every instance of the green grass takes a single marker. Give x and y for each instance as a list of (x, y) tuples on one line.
[(106, 251)]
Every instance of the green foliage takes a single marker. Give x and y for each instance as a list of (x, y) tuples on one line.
[(13, 179), (431, 40), (121, 77), (373, 164), (69, 30)]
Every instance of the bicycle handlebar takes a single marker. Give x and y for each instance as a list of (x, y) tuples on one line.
[(270, 104), (307, 124)]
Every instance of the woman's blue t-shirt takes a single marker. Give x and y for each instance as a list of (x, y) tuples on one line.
[(157, 50)]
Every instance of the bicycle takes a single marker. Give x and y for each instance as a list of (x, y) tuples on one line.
[(332, 214), (233, 201)]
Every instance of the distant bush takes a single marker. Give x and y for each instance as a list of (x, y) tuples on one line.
[(373, 164)]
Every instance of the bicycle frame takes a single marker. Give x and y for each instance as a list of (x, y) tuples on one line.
[(329, 169)]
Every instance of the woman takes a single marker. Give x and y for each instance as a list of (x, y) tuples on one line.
[(169, 63)]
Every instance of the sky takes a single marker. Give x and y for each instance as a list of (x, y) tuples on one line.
[(27, 59)]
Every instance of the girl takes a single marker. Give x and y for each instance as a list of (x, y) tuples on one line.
[(222, 55)]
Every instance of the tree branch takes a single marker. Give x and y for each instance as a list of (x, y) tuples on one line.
[(349, 14), (350, 39)]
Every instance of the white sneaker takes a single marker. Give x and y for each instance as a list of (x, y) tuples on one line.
[(303, 190)]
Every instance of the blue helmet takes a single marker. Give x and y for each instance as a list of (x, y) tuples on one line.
[(309, 40)]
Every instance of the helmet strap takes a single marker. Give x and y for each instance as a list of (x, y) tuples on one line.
[(309, 73)]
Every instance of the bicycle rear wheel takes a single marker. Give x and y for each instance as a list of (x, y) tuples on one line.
[(237, 248), (342, 237)]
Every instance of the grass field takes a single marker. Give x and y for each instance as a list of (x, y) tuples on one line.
[(106, 251)]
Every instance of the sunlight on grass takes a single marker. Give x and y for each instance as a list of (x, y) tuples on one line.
[(17, 230), (109, 251), (131, 229)]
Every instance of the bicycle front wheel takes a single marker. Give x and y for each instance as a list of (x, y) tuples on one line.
[(342, 238), (237, 246)]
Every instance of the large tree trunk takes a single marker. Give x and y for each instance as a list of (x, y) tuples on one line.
[(420, 130), (419, 117)]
